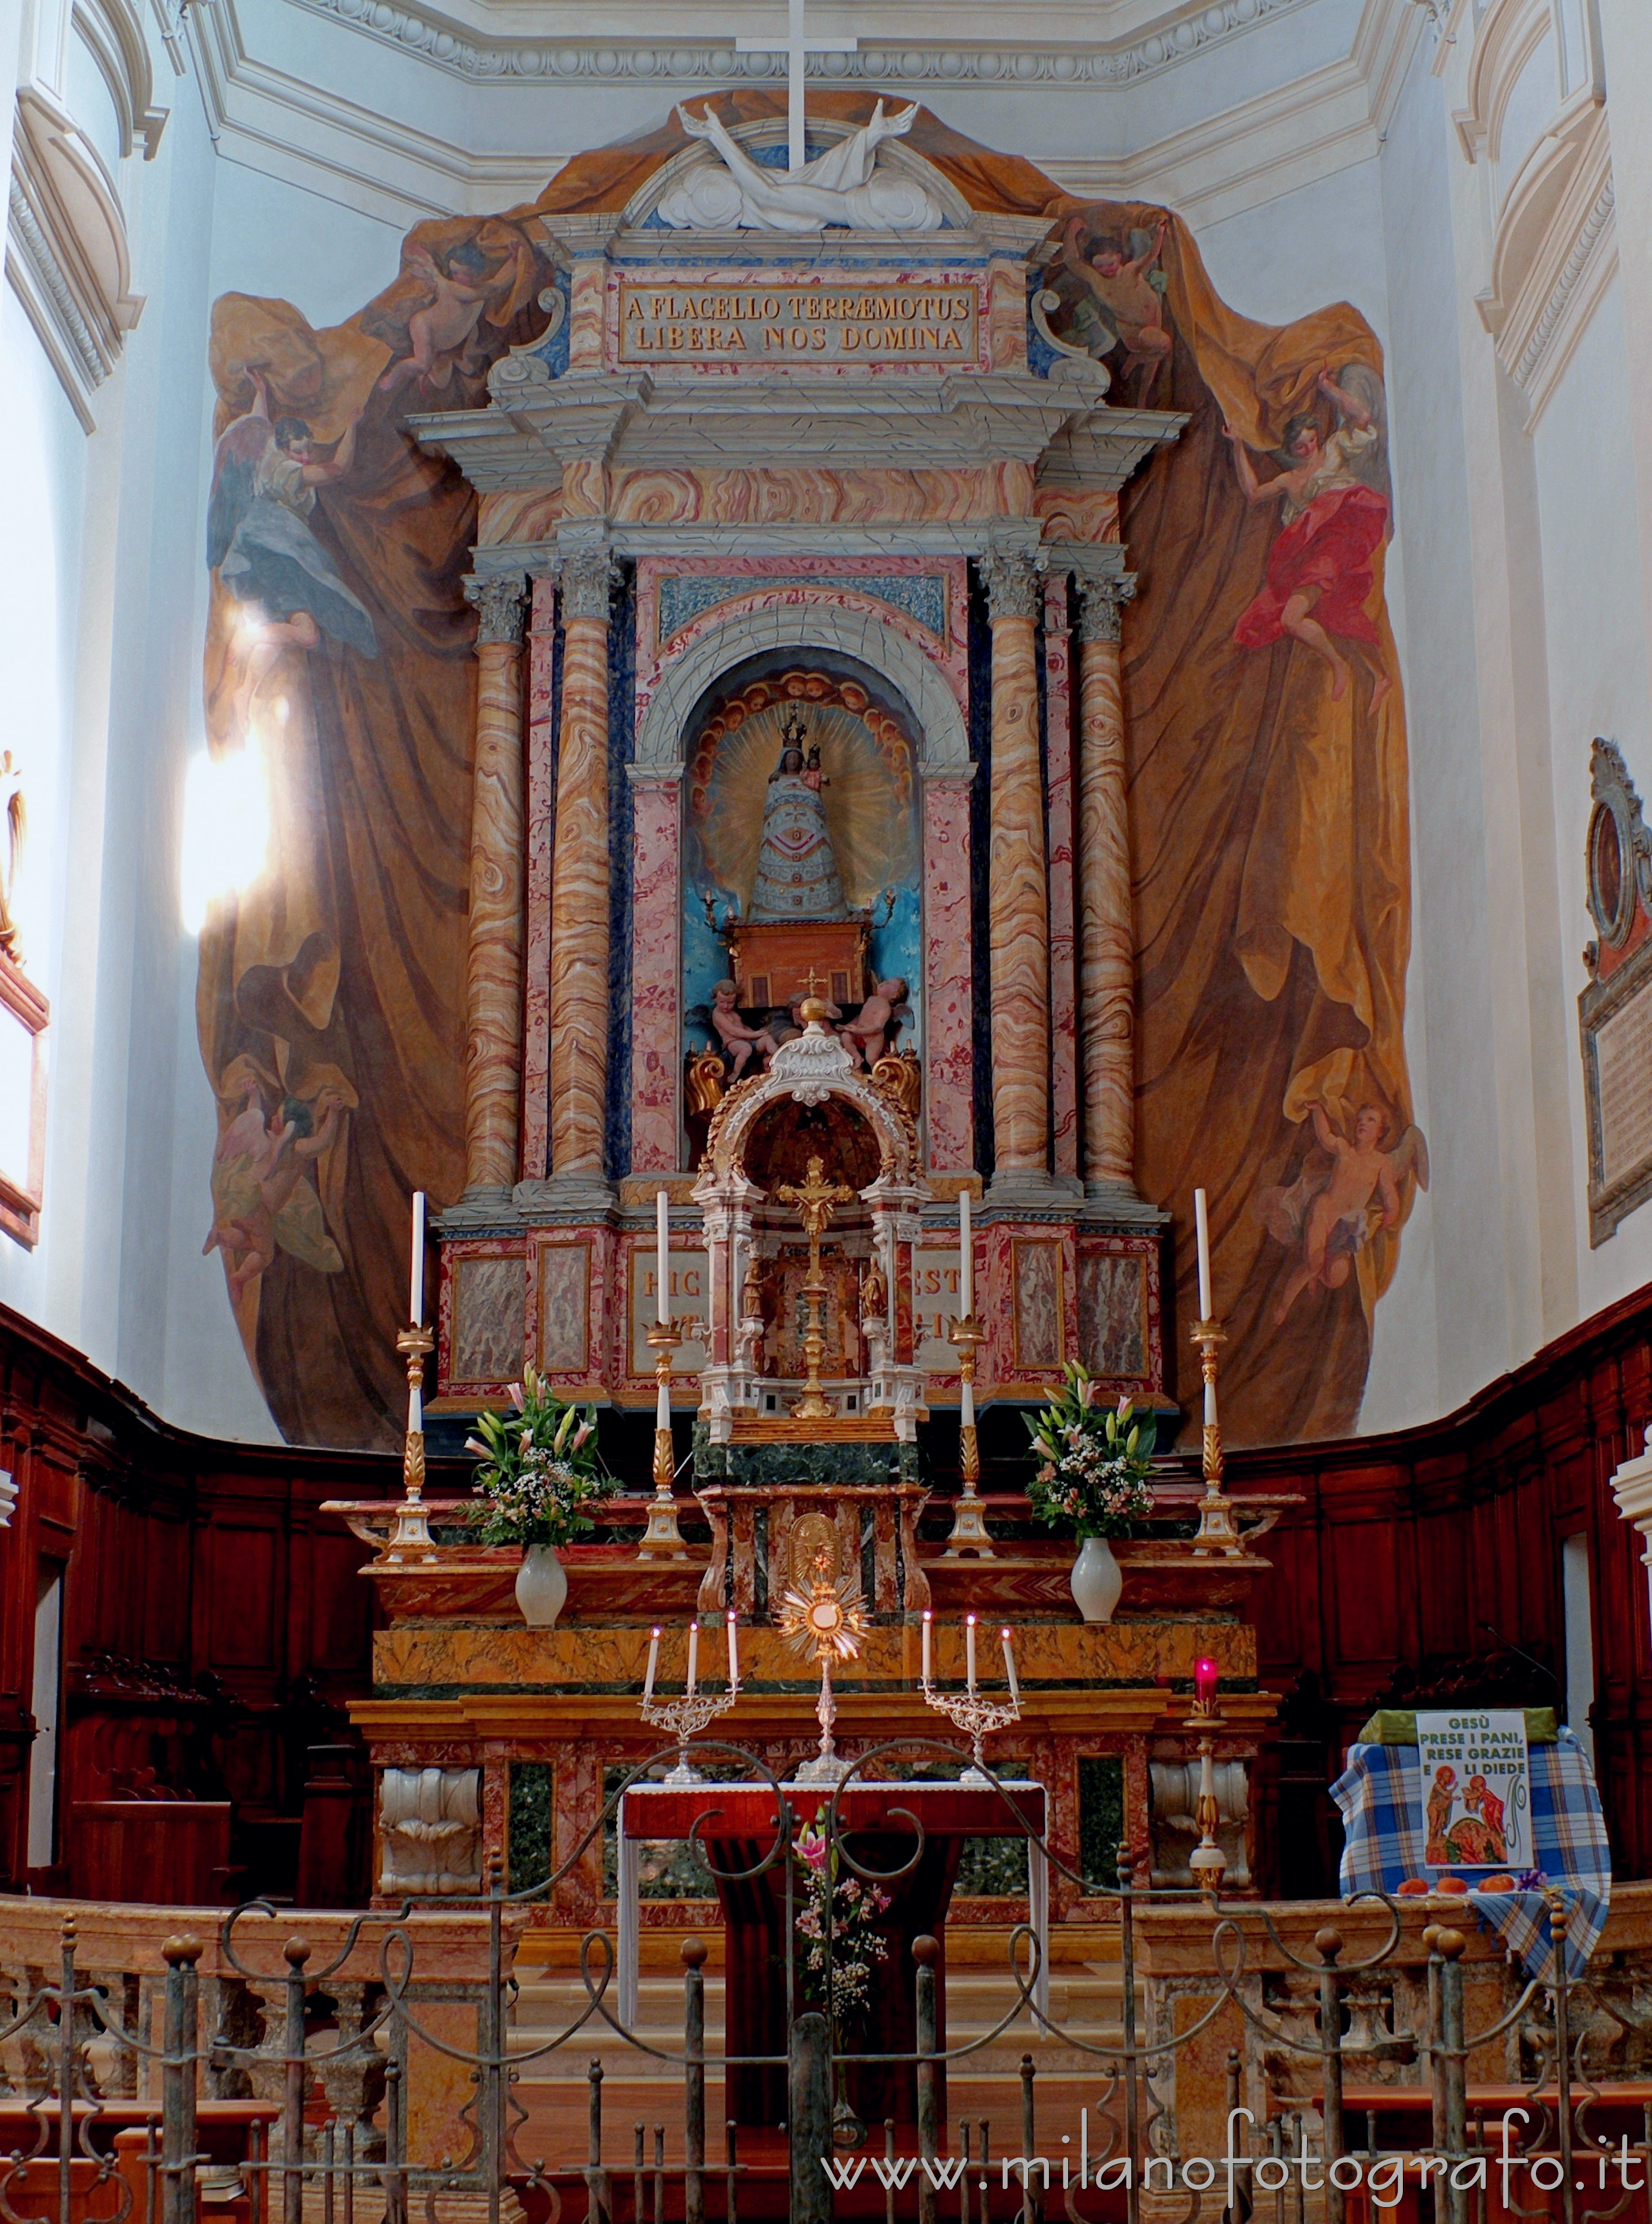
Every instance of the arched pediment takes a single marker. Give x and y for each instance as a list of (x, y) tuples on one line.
[(864, 638), (813, 1068)]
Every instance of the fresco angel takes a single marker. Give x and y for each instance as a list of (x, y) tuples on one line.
[(261, 1200), (456, 294), (1349, 1187), (1333, 500), (259, 538), (1115, 295)]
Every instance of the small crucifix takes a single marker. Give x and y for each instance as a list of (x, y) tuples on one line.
[(796, 48)]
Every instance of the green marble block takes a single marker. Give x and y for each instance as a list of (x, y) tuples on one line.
[(829, 1466)]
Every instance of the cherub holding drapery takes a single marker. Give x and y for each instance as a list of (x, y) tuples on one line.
[(1347, 1189)]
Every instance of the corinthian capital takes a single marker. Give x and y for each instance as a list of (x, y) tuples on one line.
[(1012, 585), (587, 578), (500, 604), (1101, 604)]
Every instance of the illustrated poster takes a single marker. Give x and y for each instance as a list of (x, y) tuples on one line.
[(1476, 1789)]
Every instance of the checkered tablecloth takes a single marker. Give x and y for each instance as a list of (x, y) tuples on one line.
[(1380, 1796)]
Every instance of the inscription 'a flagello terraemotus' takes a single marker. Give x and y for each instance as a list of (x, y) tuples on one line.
[(920, 321)]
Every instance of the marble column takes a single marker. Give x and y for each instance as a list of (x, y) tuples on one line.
[(1018, 890), (1059, 805), (1106, 918), (493, 999), (580, 1017), (536, 986)]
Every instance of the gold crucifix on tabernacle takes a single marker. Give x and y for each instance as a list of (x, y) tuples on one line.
[(815, 1198)]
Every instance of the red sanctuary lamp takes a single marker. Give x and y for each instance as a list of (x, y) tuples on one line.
[(1206, 1675)]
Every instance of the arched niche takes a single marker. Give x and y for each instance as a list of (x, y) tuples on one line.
[(860, 637)]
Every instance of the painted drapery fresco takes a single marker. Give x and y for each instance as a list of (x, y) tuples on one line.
[(1268, 812), (1266, 747), (330, 1005)]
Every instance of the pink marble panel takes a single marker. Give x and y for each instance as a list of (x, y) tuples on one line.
[(1026, 1283), (656, 973), (536, 978), (949, 1003), (1064, 988), (585, 314)]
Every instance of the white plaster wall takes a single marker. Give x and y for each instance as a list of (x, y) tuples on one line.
[(40, 561), (1594, 597)]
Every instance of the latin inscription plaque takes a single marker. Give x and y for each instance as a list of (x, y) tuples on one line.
[(878, 320)]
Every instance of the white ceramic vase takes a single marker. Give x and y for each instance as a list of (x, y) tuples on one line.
[(1097, 1580), (542, 1586)]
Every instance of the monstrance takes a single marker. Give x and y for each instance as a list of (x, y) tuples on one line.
[(829, 1620)]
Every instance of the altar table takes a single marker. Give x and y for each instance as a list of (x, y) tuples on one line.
[(738, 1826)]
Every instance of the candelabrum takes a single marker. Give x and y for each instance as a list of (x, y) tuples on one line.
[(1207, 1860), (1218, 1531), (976, 1716), (411, 1533), (662, 1539), (969, 1529), (686, 1718)]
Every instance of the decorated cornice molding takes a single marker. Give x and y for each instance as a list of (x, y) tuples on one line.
[(1282, 139), (449, 49), (66, 254)]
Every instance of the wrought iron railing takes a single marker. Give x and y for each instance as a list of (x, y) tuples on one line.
[(64, 2166)]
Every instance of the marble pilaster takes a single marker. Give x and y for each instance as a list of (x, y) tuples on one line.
[(949, 998), (580, 1018), (1106, 919), (656, 969), (1064, 988), (1018, 887), (536, 990), (493, 1084)]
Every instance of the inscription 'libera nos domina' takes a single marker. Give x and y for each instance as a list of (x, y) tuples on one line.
[(911, 320)]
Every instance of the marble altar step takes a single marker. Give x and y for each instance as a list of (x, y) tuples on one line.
[(1087, 2001)]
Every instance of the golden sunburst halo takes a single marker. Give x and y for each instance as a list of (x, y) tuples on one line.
[(827, 1620)]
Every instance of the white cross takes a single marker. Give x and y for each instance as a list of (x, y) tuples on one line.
[(797, 45)]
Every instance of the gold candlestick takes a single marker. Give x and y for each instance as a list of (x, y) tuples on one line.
[(1218, 1531), (412, 1530), (969, 1529), (662, 1539), (1207, 1860)]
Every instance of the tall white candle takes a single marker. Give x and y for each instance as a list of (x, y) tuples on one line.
[(1010, 1671), (662, 1258), (969, 1651), (1202, 1229), (654, 1662), (966, 1253), (927, 1619), (416, 1298), (734, 1652), (693, 1655)]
